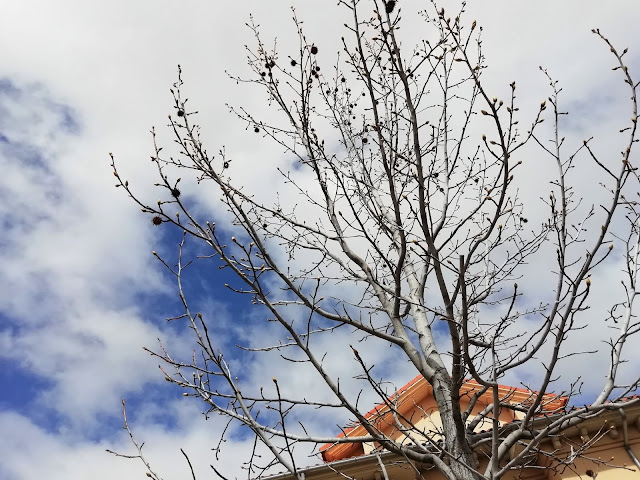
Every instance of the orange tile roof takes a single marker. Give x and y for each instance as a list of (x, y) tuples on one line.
[(417, 389)]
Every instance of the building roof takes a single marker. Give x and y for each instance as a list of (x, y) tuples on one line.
[(416, 390)]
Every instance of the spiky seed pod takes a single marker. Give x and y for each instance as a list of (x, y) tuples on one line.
[(157, 220), (175, 193), (180, 112), (314, 50)]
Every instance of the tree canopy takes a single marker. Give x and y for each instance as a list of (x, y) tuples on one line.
[(405, 221)]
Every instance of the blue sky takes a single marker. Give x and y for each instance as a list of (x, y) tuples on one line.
[(80, 290)]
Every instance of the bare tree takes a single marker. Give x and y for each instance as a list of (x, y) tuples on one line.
[(414, 214)]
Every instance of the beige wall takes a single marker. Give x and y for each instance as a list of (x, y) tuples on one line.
[(605, 456), (425, 418)]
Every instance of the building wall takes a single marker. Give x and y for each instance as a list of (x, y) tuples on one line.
[(423, 416), (599, 443)]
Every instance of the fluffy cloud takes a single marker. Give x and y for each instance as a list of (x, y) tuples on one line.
[(81, 293)]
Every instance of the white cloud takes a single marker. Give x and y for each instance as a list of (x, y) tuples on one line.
[(34, 452), (76, 253)]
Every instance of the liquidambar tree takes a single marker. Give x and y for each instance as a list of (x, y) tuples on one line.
[(406, 176)]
